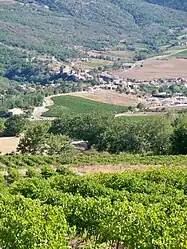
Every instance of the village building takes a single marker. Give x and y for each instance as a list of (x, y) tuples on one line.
[(15, 111)]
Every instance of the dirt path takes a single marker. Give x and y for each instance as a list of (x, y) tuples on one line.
[(93, 169), (139, 114), (171, 54), (40, 110)]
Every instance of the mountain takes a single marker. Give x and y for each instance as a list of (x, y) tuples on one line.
[(60, 27), (174, 4)]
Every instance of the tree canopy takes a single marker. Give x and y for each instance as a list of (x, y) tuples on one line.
[(14, 125)]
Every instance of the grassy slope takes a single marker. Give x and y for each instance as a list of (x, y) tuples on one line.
[(182, 54), (70, 104), (177, 51)]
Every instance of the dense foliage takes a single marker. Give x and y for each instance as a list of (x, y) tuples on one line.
[(159, 135), (15, 95), (36, 140), (107, 133), (14, 126), (134, 209), (20, 66), (146, 20), (18, 93), (31, 33), (80, 22), (174, 4)]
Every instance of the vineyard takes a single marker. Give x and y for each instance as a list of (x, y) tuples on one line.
[(36, 161), (77, 105), (61, 210)]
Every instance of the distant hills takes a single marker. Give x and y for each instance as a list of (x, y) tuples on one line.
[(60, 27), (175, 4)]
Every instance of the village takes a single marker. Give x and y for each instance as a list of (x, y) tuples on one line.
[(152, 98), (156, 98), (155, 93)]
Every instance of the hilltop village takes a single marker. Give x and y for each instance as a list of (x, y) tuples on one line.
[(157, 93)]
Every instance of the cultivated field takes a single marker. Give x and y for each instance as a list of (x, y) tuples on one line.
[(72, 104), (110, 97), (92, 63), (114, 54), (95, 162), (155, 69), (182, 54)]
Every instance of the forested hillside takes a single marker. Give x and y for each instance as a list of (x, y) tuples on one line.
[(66, 29), (93, 24), (175, 4)]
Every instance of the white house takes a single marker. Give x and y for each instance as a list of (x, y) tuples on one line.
[(15, 111)]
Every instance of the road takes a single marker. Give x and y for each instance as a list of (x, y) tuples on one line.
[(165, 56), (40, 110)]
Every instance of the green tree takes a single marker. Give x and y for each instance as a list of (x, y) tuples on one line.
[(14, 126), (1, 125), (87, 127), (141, 106), (37, 140), (33, 140), (179, 138), (174, 89), (57, 145), (158, 132)]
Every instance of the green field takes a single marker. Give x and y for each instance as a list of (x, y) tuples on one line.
[(69, 104), (182, 54), (145, 209), (93, 63), (177, 51), (20, 161)]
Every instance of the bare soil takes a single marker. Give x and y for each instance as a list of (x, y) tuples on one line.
[(109, 168), (7, 1), (8, 144), (156, 68), (139, 114), (110, 97), (93, 169)]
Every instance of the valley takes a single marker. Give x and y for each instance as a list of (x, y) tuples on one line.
[(93, 124)]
